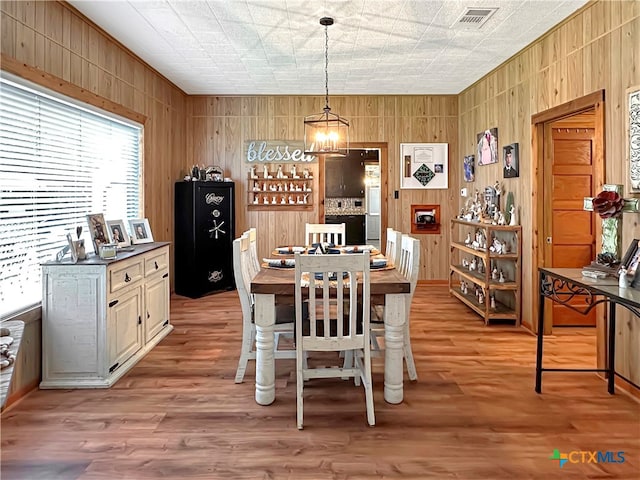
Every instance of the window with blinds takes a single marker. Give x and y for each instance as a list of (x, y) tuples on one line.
[(59, 161)]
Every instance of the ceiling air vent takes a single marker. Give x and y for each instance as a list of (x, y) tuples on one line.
[(474, 17)]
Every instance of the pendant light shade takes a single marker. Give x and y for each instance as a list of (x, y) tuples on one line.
[(326, 132)]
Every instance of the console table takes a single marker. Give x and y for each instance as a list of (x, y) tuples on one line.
[(561, 285)]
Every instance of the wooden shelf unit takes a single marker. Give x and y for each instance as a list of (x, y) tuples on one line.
[(300, 190), (507, 294)]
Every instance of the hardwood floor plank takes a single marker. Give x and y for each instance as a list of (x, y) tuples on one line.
[(473, 414)]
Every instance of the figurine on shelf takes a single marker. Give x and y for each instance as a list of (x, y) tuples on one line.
[(265, 200), (480, 298), (294, 172), (279, 173), (253, 171), (514, 216), (501, 277), (305, 172), (473, 265), (501, 220), (465, 263), (255, 200), (305, 198), (467, 240), (274, 200), (265, 172), (283, 200), (291, 202), (480, 266), (494, 273), (493, 302)]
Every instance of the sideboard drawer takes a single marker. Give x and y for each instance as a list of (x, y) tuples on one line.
[(156, 262), (122, 275)]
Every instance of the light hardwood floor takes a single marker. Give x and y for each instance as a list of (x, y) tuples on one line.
[(472, 414)]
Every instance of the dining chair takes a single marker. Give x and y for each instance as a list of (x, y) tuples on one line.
[(325, 232), (408, 265), (392, 250), (335, 324), (253, 249), (285, 314)]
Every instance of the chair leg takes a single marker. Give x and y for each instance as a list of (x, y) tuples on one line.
[(300, 361), (374, 341), (408, 353), (365, 369), (248, 337), (348, 361)]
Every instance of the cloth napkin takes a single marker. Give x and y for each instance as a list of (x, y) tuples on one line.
[(280, 262), (290, 249), (378, 263), (358, 249)]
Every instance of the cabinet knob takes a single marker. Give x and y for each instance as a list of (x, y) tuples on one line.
[(127, 278), (156, 264), (148, 315)]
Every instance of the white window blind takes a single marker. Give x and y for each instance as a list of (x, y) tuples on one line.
[(58, 163)]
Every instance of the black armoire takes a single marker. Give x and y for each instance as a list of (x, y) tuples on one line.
[(204, 233)]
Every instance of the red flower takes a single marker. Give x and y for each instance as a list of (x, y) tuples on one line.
[(608, 204)]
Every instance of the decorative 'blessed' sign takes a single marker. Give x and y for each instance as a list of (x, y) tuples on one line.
[(276, 151)]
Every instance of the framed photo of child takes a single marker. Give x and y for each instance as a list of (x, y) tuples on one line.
[(140, 231), (98, 230), (117, 233)]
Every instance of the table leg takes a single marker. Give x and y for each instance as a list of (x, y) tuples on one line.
[(612, 348), (540, 335), (394, 319), (265, 318)]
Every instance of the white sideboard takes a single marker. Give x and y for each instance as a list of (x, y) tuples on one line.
[(100, 317)]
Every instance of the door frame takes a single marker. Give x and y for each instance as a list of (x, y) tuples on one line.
[(594, 101), (383, 161)]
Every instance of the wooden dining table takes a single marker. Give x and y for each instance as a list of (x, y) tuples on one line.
[(277, 285)]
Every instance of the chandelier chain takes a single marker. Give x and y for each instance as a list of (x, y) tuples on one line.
[(326, 65)]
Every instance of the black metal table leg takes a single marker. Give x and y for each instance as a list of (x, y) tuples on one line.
[(612, 349), (540, 334)]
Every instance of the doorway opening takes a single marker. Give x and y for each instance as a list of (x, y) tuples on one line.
[(568, 154)]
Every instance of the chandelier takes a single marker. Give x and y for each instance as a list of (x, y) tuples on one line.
[(326, 132)]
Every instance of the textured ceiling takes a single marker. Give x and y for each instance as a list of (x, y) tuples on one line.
[(277, 46)]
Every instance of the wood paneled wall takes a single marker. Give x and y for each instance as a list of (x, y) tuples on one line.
[(51, 44), (219, 126), (597, 48)]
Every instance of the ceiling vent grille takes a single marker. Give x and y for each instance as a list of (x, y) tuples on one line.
[(474, 17)]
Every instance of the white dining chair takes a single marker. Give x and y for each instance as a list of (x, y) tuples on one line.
[(408, 265), (325, 232), (394, 244), (253, 249), (285, 314), (335, 322)]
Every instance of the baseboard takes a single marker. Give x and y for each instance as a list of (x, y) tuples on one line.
[(443, 283), (19, 394)]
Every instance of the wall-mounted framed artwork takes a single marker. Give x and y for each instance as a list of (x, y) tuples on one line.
[(469, 168), (424, 165), (511, 161), (488, 147), (633, 137)]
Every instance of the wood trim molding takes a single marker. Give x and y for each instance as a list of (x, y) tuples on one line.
[(570, 108), (63, 87)]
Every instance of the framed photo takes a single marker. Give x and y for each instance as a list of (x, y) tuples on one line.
[(511, 161), (488, 147), (633, 137), (140, 231), (424, 165), (72, 249), (98, 230), (469, 168), (631, 259), (117, 233)]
